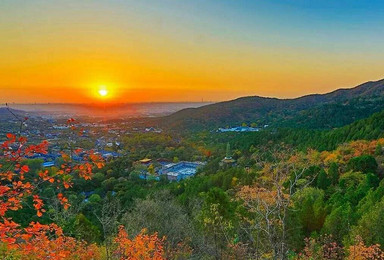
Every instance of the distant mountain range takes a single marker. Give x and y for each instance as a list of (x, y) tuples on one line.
[(107, 111), (317, 111), (6, 114)]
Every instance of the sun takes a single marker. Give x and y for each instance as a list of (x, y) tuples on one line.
[(103, 92)]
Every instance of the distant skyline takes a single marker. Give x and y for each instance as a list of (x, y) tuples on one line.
[(169, 51)]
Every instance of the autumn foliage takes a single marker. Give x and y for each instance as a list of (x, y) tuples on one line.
[(360, 251), (38, 241), (47, 242), (325, 248), (143, 246)]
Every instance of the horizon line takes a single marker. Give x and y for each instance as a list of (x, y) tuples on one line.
[(101, 103), (192, 102)]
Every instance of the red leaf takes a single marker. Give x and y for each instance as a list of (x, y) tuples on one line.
[(11, 136), (25, 168)]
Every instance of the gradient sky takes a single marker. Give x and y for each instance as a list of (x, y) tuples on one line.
[(144, 51)]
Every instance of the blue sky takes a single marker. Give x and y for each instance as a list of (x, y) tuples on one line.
[(212, 49)]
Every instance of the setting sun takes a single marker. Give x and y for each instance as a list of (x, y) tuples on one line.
[(103, 92)]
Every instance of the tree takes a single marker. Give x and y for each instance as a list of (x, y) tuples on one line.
[(18, 184), (228, 151), (321, 248), (107, 216), (379, 149), (371, 227), (19, 187), (322, 181), (143, 246), (333, 173), (269, 200), (151, 169), (310, 205), (218, 219), (85, 229), (39, 241), (338, 222), (161, 213), (360, 251), (364, 164)]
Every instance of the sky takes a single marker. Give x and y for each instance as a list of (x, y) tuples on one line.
[(169, 51)]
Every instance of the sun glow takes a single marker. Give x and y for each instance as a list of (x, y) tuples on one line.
[(103, 92), (106, 93)]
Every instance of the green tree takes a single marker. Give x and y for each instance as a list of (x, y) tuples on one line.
[(338, 222), (218, 218), (364, 164), (333, 173), (371, 226), (310, 207), (322, 181), (85, 230)]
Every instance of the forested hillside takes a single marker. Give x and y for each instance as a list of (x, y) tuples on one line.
[(324, 111), (290, 194), (293, 190), (302, 139)]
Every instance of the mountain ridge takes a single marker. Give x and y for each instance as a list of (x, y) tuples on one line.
[(268, 110)]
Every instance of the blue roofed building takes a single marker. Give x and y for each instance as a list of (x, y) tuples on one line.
[(238, 129), (48, 164), (181, 170)]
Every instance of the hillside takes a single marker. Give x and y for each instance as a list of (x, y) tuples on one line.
[(348, 104), (364, 129)]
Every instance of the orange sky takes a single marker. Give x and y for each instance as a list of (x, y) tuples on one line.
[(143, 52)]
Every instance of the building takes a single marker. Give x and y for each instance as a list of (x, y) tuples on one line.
[(171, 171), (108, 154), (181, 170), (145, 161), (163, 161), (238, 129), (152, 130), (48, 164), (228, 160)]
